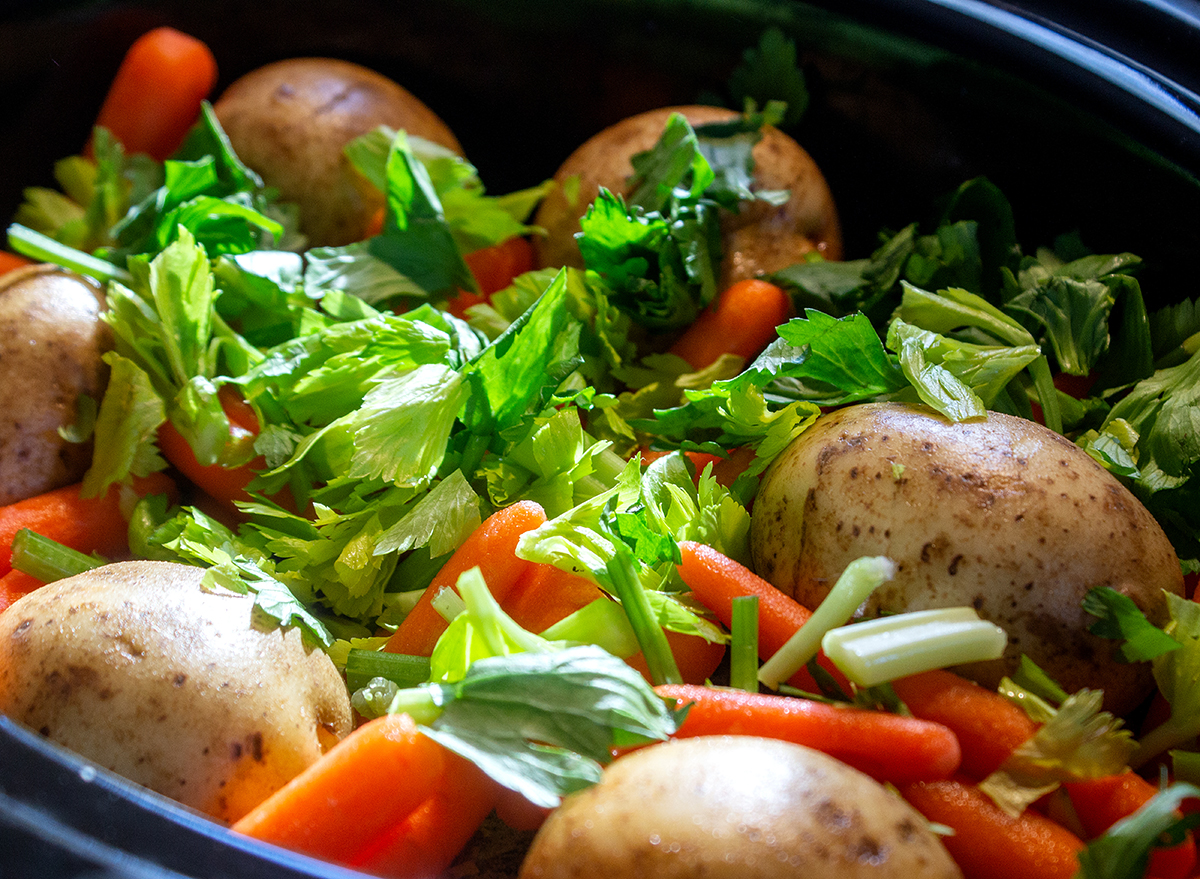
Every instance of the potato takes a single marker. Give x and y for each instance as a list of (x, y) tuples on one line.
[(759, 239), (52, 342), (737, 807), (137, 668), (1002, 515), (290, 121)]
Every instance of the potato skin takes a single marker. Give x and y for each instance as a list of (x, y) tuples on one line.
[(137, 668), (1003, 515), (737, 807), (52, 342), (290, 120), (759, 239)]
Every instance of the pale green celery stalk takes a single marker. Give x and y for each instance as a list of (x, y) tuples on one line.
[(881, 650), (1047, 393), (47, 559), (400, 668), (743, 645), (43, 248), (492, 623), (861, 577), (447, 602), (601, 622), (419, 703), (625, 584)]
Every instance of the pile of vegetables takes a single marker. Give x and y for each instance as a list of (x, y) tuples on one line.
[(516, 477)]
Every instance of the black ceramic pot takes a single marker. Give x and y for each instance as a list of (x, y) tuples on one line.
[(1085, 119)]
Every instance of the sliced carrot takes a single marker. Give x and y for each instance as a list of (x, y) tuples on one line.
[(493, 548), (1102, 802), (156, 94), (987, 843), (742, 321), (89, 525), (989, 727), (715, 579), (430, 838), (364, 786), (889, 747)]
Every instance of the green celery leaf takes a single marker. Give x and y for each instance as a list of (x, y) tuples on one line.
[(1120, 619)]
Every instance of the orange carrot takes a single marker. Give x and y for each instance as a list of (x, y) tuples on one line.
[(10, 262), (84, 524), (156, 94), (429, 839), (492, 546), (15, 584), (546, 594), (495, 267), (365, 785), (742, 321), (889, 747), (695, 657), (989, 844), (989, 727), (226, 485), (715, 580), (1102, 802)]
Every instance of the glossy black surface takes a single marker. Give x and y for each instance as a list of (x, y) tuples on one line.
[(1085, 115)]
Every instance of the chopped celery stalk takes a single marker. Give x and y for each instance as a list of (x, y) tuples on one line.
[(448, 603), (43, 248), (623, 577), (399, 668), (47, 559), (861, 577), (876, 651), (601, 622), (743, 645)]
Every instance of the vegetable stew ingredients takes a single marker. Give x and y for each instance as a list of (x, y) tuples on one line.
[(1002, 514), (354, 795), (156, 94), (888, 747), (761, 237), (290, 121), (987, 843), (735, 806), (52, 344), (89, 525), (238, 711), (988, 726), (741, 322)]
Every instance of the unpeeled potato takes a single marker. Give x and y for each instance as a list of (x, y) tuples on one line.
[(1002, 515), (737, 807), (52, 344), (760, 238), (136, 667), (290, 121)]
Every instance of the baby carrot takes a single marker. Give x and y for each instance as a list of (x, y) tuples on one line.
[(88, 525), (14, 584), (369, 782), (493, 548), (715, 580), (156, 94), (742, 321), (989, 727), (11, 262), (430, 838), (889, 747), (1101, 802), (546, 594), (987, 843), (495, 267), (695, 657)]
